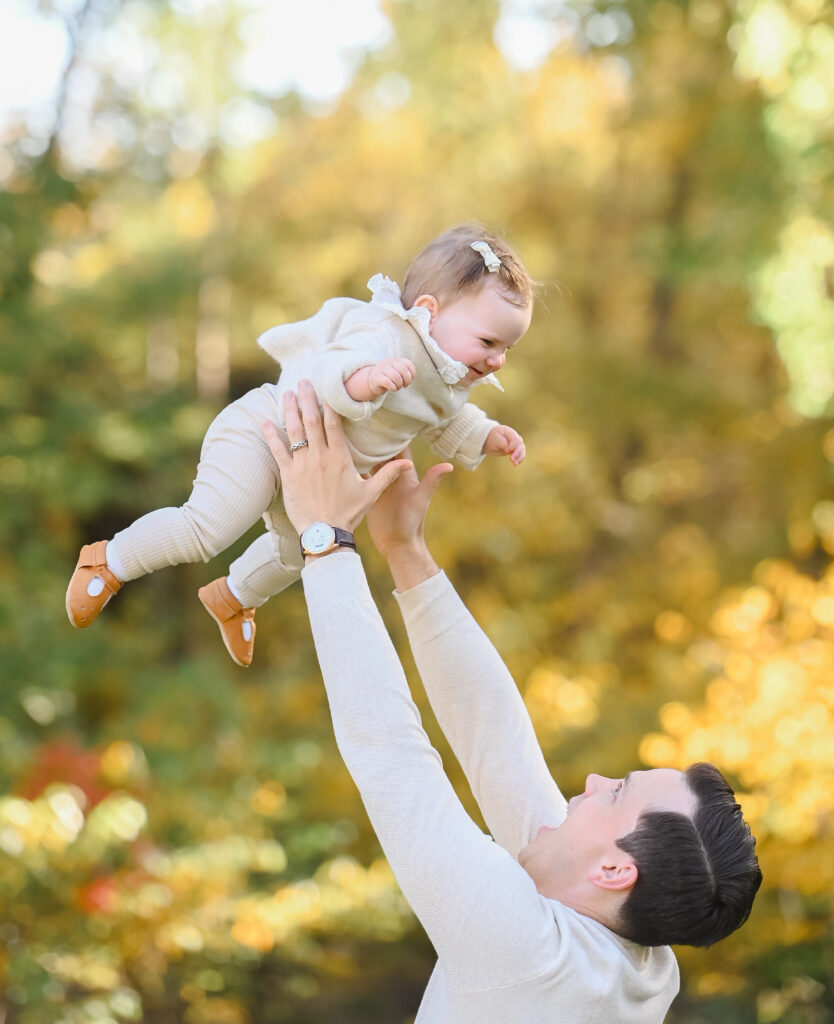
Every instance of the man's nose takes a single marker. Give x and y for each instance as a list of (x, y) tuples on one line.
[(593, 783)]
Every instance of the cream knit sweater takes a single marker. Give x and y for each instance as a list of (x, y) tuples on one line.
[(506, 955), (345, 335), (237, 479)]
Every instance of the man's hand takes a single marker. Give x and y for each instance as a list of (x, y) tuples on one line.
[(387, 375), (396, 524), (503, 440), (319, 480), (398, 517)]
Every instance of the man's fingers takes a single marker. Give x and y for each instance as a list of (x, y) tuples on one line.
[(276, 443), (428, 485), (292, 417), (387, 474), (333, 428), (310, 414), (433, 477), (404, 454)]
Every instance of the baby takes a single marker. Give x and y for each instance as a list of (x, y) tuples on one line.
[(395, 368)]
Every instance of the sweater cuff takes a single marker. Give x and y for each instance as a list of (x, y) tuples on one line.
[(471, 453), (342, 568), (331, 387), (426, 600), (463, 437)]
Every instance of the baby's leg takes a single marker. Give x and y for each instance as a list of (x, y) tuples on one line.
[(237, 479), (268, 566)]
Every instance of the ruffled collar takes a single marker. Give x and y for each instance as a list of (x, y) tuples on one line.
[(385, 293)]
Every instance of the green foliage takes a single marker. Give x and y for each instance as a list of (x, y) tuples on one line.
[(178, 838)]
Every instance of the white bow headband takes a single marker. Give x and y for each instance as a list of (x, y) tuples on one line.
[(490, 259)]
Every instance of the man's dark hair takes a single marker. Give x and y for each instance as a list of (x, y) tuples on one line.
[(696, 877)]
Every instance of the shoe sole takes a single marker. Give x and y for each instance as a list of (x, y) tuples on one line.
[(85, 625)]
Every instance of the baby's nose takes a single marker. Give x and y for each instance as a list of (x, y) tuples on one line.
[(496, 361)]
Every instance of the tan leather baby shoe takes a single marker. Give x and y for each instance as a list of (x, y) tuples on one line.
[(237, 624), (92, 585)]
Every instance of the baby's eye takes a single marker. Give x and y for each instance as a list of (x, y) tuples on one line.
[(615, 792), (487, 342)]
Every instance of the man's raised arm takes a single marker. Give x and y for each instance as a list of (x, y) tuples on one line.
[(479, 907), (472, 694)]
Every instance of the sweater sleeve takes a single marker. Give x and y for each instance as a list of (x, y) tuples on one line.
[(480, 909), (357, 344), (481, 713), (462, 437)]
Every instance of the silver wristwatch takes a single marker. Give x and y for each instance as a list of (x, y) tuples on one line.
[(319, 538)]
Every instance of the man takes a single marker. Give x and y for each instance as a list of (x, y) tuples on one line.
[(564, 914)]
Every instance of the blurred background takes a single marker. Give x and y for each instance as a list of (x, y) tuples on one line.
[(178, 838)]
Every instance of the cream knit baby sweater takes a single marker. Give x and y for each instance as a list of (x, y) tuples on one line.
[(345, 335), (506, 955), (237, 479)]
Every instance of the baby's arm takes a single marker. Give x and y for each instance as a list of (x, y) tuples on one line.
[(469, 436), (462, 437), (503, 440), (360, 366), (388, 375)]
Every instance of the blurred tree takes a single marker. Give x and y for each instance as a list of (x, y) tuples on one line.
[(180, 841)]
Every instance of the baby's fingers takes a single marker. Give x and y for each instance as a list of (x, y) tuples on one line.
[(517, 449), (396, 378), (506, 440)]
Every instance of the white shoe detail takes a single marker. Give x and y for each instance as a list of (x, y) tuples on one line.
[(114, 563), (95, 586), (230, 583), (246, 629)]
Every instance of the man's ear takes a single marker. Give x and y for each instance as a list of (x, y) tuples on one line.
[(614, 874), (430, 303)]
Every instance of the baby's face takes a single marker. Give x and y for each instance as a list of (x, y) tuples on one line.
[(478, 328)]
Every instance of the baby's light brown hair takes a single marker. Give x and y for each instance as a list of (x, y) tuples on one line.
[(449, 265)]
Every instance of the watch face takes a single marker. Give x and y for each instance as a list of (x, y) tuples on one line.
[(318, 538)]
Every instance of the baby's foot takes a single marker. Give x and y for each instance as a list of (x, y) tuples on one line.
[(237, 624), (92, 585)]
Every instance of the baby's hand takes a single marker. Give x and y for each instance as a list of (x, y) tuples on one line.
[(387, 375), (390, 375), (504, 440)]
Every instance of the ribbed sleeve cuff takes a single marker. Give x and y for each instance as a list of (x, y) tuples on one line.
[(341, 569), (428, 590), (331, 388), (463, 438)]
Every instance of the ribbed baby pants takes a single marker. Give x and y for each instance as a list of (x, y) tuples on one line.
[(237, 482)]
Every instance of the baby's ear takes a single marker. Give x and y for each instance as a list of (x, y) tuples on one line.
[(430, 303)]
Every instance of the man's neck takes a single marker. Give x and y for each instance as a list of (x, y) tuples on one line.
[(588, 899)]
